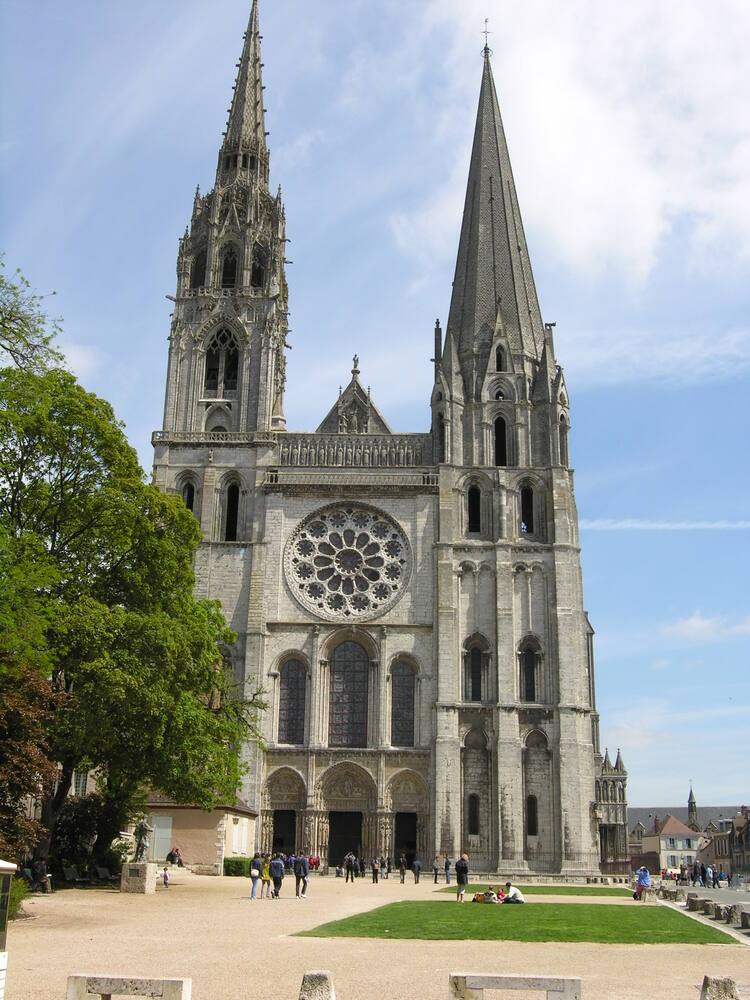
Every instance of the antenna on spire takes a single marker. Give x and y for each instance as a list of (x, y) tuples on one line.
[(486, 51)]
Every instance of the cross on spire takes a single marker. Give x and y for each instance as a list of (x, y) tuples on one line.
[(486, 34)]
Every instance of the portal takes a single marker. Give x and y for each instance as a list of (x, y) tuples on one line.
[(344, 835), (405, 840), (284, 830)]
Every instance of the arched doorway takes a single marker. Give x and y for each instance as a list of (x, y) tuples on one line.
[(282, 812), (407, 799), (347, 797)]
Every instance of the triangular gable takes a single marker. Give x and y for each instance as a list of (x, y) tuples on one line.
[(354, 411)]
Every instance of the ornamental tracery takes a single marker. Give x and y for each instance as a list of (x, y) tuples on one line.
[(348, 561)]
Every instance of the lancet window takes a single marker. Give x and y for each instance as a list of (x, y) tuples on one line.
[(501, 442), (198, 271), (347, 706), (292, 686), (402, 705), (222, 364), (229, 269), (232, 512)]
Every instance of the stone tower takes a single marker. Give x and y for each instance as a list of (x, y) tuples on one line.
[(411, 603)]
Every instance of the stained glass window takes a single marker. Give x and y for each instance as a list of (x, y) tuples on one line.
[(347, 711), (292, 703), (402, 706)]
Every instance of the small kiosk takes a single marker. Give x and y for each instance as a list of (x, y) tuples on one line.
[(7, 871)]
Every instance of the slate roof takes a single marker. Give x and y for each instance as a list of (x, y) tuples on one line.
[(646, 814)]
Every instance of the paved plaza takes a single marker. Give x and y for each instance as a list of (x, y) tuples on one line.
[(208, 929)]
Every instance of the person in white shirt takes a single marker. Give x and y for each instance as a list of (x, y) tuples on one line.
[(513, 894)]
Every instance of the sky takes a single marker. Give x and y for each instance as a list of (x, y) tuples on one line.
[(629, 134)]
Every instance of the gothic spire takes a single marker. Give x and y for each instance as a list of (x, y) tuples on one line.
[(246, 124), (493, 280)]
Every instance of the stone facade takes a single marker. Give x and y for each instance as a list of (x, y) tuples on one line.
[(410, 603)]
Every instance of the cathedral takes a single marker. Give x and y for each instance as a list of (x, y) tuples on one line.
[(410, 603)]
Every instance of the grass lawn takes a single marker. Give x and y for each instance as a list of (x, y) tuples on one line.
[(548, 890), (439, 921)]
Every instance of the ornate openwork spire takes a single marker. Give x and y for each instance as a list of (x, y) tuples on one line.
[(493, 277), (246, 124)]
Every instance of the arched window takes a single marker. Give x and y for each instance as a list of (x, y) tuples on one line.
[(563, 442), (222, 363), (229, 269), (347, 704), (532, 826), (475, 674), (259, 268), (528, 675), (499, 394), (402, 705), (499, 359), (527, 510), (292, 702), (188, 495), (233, 505), (501, 442), (473, 825), (198, 272), (473, 504)]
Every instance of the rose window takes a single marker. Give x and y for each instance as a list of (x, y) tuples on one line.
[(348, 561)]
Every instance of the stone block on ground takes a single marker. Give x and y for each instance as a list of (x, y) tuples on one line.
[(317, 986), (708, 907), (715, 988), (720, 911), (83, 987), (745, 920), (733, 914), (138, 877), (695, 904)]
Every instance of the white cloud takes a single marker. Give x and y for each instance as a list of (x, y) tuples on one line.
[(702, 628), (622, 120), (297, 153), (82, 359), (642, 524)]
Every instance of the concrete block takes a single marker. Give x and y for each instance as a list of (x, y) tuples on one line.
[(715, 988), (83, 987), (140, 877), (317, 986), (695, 903)]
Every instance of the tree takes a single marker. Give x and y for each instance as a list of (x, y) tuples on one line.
[(26, 332), (137, 662)]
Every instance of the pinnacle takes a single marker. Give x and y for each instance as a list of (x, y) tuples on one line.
[(246, 124)]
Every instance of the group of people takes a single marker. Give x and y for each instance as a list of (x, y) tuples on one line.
[(269, 870), (353, 867), (704, 875)]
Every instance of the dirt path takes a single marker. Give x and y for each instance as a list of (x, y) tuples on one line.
[(232, 948)]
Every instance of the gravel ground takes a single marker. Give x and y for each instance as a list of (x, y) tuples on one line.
[(208, 929)]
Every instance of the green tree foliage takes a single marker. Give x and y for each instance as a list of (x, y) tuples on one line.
[(26, 333), (135, 660)]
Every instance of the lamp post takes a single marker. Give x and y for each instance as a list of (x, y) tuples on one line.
[(7, 870)]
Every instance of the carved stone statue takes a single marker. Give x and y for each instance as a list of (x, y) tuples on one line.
[(142, 839)]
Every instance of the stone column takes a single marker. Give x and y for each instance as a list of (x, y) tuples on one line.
[(383, 682), (315, 681)]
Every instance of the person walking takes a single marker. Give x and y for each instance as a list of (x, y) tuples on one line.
[(276, 868), (416, 867), (388, 866), (349, 867), (301, 875), (375, 866), (402, 868), (383, 869), (265, 877), (435, 867), (256, 870), (447, 870), (462, 877)]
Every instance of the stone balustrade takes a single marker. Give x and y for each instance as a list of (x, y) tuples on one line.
[(355, 450)]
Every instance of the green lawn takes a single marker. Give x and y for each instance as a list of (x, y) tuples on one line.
[(440, 921), (549, 890)]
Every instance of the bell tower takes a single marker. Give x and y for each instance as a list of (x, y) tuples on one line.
[(226, 369)]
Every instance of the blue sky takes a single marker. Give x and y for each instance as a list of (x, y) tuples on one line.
[(629, 133)]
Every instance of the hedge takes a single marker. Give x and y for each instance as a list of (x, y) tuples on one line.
[(237, 866)]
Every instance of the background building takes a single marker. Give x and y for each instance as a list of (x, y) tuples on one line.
[(410, 602)]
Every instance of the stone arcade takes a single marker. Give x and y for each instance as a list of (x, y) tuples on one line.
[(411, 603)]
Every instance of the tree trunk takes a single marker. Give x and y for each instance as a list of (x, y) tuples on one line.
[(51, 808)]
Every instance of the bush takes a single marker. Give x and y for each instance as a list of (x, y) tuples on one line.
[(237, 866), (19, 890)]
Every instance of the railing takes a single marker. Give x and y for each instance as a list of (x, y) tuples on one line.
[(356, 450), (339, 479)]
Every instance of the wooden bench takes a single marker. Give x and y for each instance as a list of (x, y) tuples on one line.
[(471, 985), (106, 987)]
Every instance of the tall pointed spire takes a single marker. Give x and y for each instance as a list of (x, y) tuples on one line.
[(493, 280), (246, 124)]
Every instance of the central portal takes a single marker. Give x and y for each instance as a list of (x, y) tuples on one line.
[(405, 840), (344, 835)]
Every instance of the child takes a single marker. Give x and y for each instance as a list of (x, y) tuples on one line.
[(166, 877)]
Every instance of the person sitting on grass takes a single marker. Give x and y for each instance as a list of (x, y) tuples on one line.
[(513, 894), (644, 882)]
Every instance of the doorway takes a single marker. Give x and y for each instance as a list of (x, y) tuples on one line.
[(344, 835), (161, 839), (284, 830), (405, 840)]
